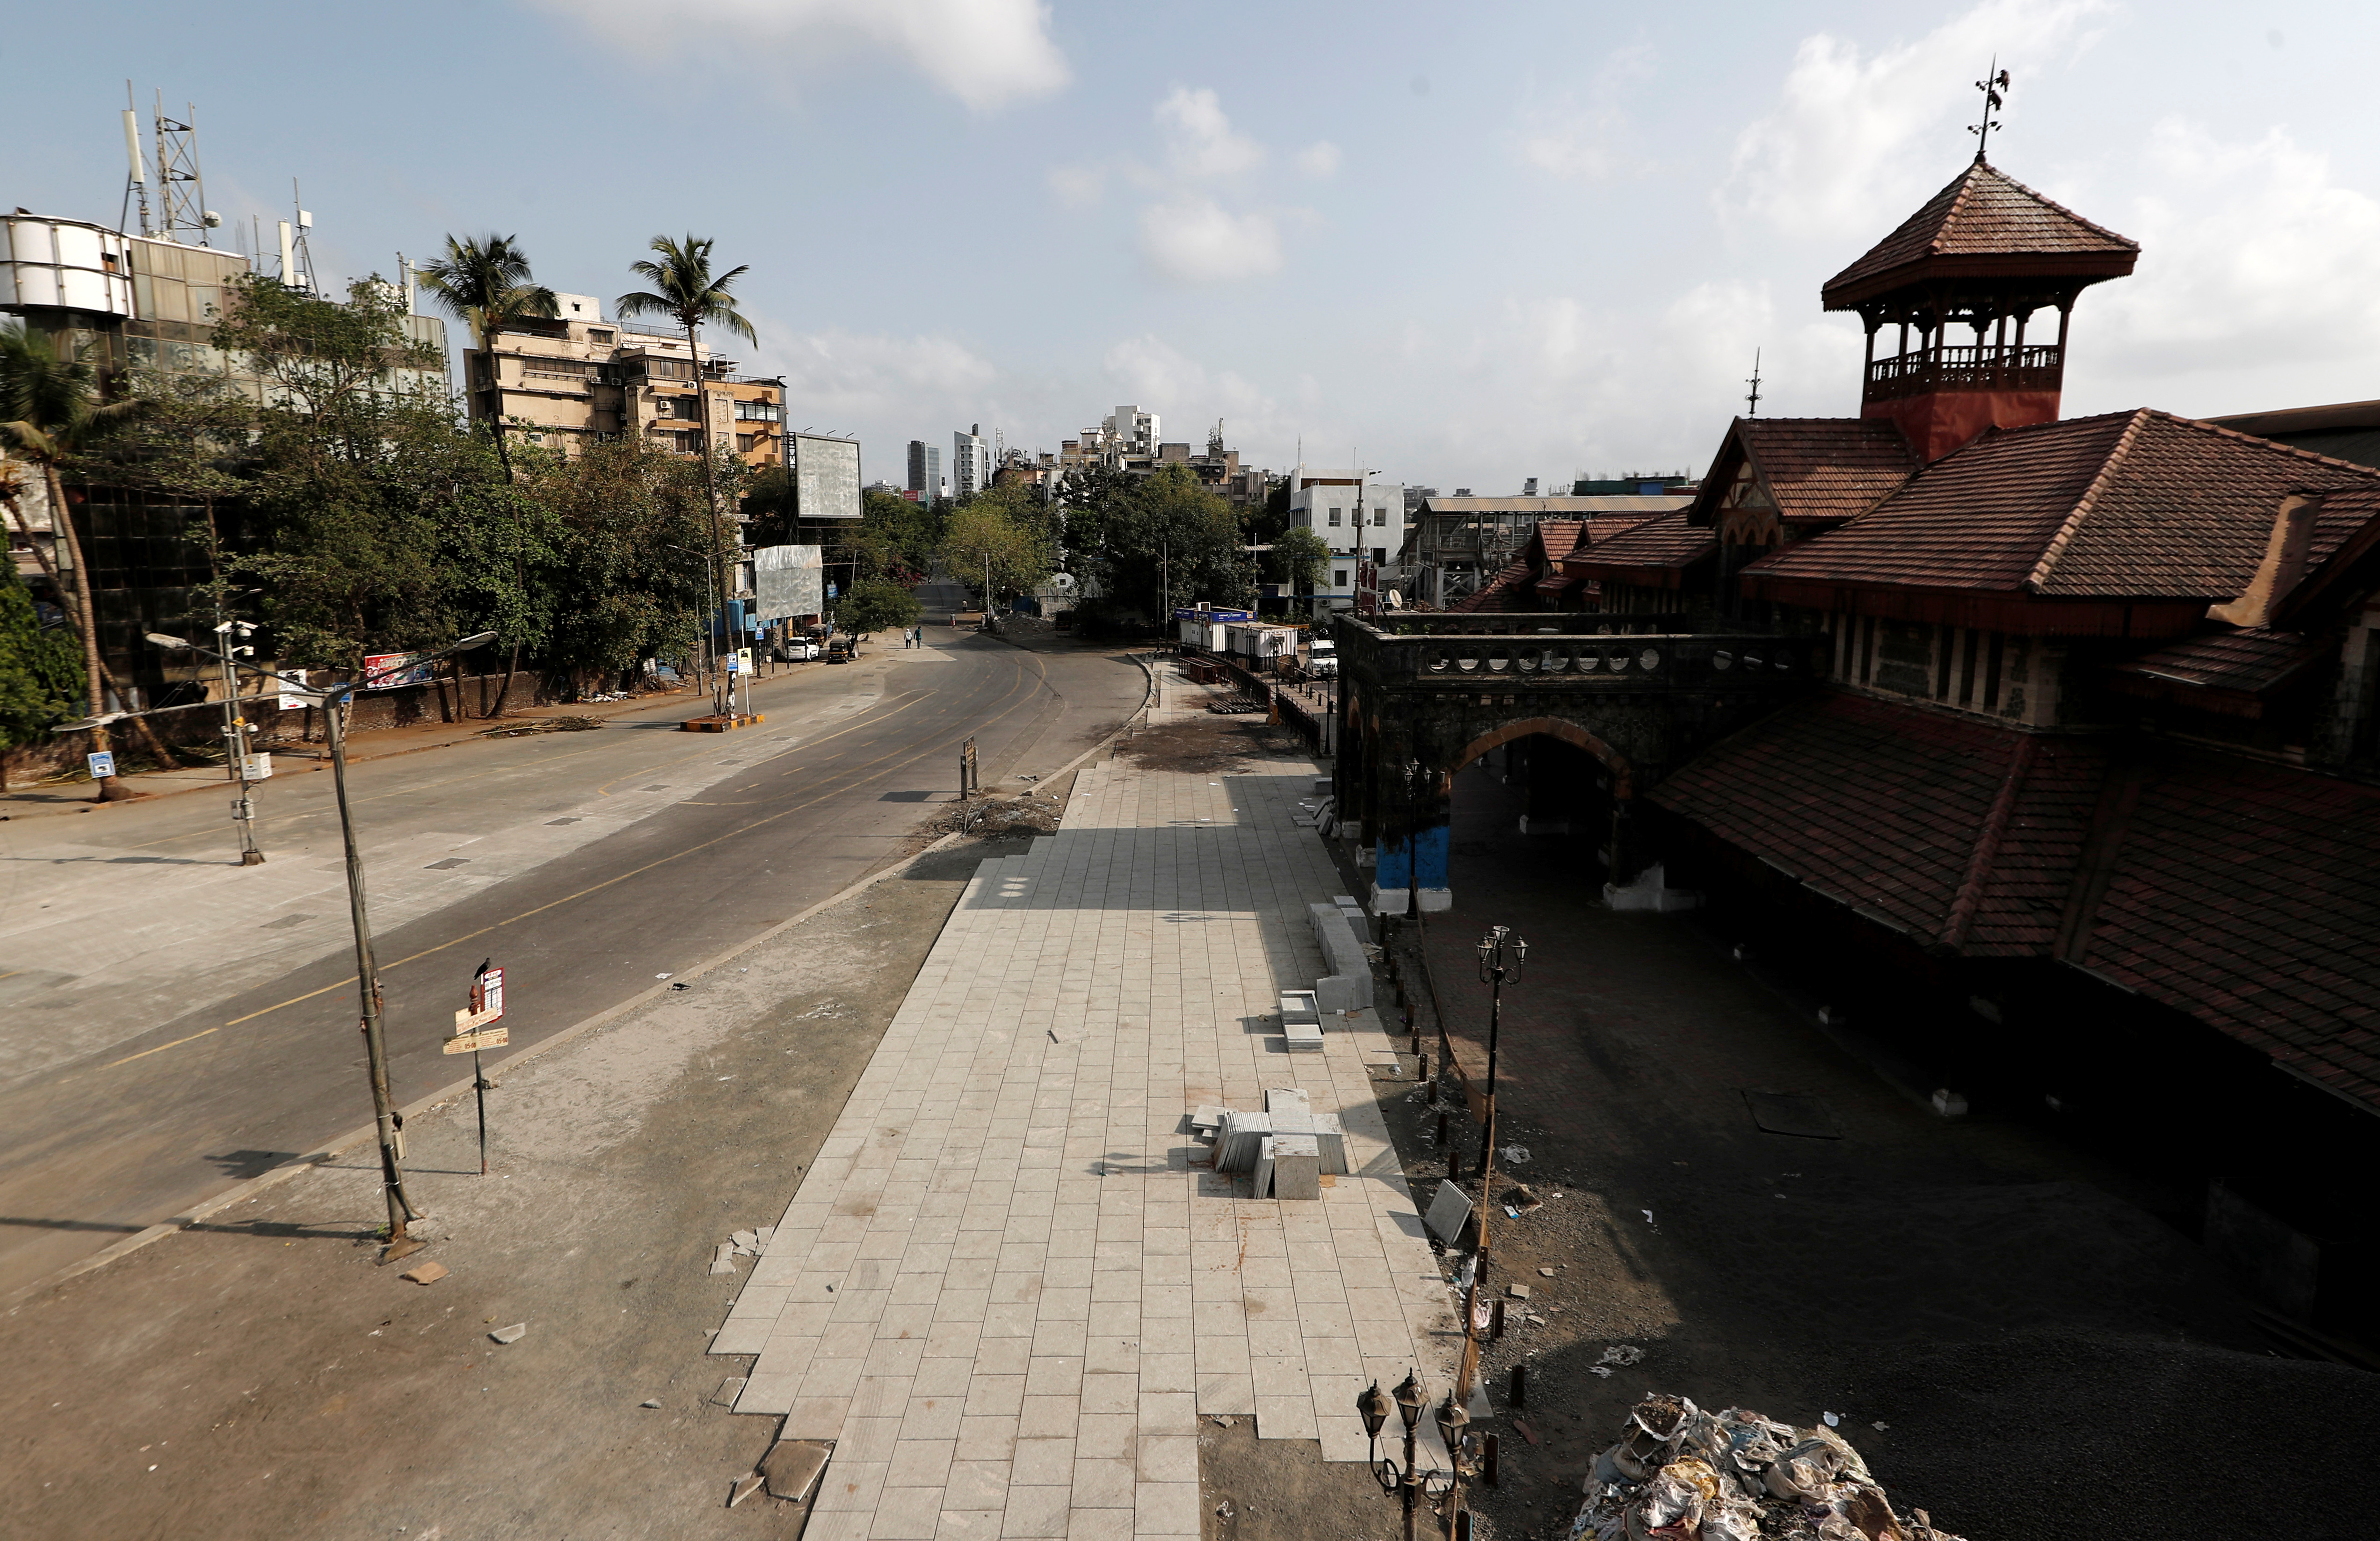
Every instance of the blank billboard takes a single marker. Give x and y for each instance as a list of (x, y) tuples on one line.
[(826, 477), (789, 581)]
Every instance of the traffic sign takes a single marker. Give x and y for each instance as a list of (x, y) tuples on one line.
[(103, 764), (485, 1038)]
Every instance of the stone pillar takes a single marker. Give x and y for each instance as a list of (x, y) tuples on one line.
[(1411, 845)]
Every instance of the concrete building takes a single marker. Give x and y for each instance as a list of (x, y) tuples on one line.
[(577, 378), (1360, 518), (124, 303), (970, 463), (925, 470)]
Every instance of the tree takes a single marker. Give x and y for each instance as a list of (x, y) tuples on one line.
[(1154, 543), (484, 280), (873, 605), (37, 670), (1298, 555), (685, 289), (50, 412), (984, 544), (623, 578)]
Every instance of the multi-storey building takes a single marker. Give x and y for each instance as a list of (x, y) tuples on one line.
[(1359, 518), (970, 463), (925, 470), (576, 377)]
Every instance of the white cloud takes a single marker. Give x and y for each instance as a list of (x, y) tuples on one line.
[(1199, 140), (1843, 152), (2253, 257), (1586, 139), (1147, 369), (837, 379), (1077, 187), (1193, 239), (1318, 159), (985, 53)]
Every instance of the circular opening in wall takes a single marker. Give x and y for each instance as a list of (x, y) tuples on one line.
[(1555, 660), (1438, 661), (1783, 662), (1528, 662), (1467, 662), (1722, 659), (1649, 659), (1500, 660), (1590, 661), (1618, 662)]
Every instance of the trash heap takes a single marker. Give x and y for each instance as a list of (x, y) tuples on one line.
[(1680, 1473)]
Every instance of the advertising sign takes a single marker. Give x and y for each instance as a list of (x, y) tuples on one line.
[(826, 477), (388, 670), (291, 681), (789, 581)]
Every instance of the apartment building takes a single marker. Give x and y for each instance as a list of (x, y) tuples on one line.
[(970, 463), (577, 378), (1358, 518), (926, 481)]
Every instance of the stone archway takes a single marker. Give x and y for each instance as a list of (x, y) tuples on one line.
[(1623, 776)]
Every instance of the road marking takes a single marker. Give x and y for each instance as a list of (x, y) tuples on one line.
[(597, 888), (158, 1050)]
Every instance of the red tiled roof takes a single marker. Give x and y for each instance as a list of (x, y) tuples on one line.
[(1535, 575), (1985, 222), (1819, 470), (2244, 894), (2137, 504), (1664, 544), (1509, 589), (2226, 671)]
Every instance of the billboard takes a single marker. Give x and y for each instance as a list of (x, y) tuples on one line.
[(787, 580), (826, 477)]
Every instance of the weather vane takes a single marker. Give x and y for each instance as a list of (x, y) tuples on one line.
[(1753, 399), (1993, 87)]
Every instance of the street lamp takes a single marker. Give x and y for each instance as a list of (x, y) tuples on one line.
[(333, 700), (1500, 957), (238, 753), (1372, 1406), (1451, 1422)]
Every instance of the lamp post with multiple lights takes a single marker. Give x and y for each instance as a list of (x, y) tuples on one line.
[(1409, 1480)]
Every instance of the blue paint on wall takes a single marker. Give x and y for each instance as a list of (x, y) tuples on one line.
[(1394, 861), (1430, 848)]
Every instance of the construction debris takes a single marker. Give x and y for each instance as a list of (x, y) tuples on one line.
[(428, 1273), (512, 1334), (1679, 1472)]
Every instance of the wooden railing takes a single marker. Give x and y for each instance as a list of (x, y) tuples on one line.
[(2034, 367)]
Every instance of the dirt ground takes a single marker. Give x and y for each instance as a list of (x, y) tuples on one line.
[(2003, 1328), (263, 1377)]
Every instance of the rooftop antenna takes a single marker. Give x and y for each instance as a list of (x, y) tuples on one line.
[(181, 190), (1752, 401), (137, 181), (1995, 88), (297, 260)]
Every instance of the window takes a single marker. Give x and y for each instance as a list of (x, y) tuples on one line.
[(744, 442), (1334, 519), (1338, 577), (759, 411), (1379, 516), (597, 334)]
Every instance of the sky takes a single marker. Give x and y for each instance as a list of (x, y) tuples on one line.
[(1464, 246)]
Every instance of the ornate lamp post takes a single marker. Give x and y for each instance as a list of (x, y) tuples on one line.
[(1453, 1421), (1500, 959), (1409, 1480)]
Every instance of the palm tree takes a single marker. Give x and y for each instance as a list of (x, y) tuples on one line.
[(49, 411), (484, 281), (684, 288)]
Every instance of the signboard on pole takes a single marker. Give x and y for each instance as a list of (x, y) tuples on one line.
[(789, 581), (291, 681), (388, 670), (103, 765), (475, 1029)]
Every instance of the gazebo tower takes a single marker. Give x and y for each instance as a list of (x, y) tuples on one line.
[(1989, 255)]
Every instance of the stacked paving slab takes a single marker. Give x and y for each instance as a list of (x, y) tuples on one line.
[(1007, 1288)]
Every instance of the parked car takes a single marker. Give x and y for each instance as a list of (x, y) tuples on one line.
[(797, 649), (1322, 660)]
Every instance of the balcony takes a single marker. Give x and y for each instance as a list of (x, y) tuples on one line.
[(1987, 367)]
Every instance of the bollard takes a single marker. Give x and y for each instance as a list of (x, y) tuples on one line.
[(1520, 1397), (1487, 1462), (1441, 1131), (1495, 1321)]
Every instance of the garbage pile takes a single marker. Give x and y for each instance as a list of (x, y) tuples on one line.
[(1680, 1473)]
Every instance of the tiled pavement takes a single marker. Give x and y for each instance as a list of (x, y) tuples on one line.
[(1002, 1287)]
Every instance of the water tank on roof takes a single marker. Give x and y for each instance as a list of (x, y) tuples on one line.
[(65, 264)]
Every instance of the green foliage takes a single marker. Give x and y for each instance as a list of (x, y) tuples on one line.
[(1298, 555), (41, 669), (984, 536), (484, 280), (874, 605), (685, 289), (622, 575), (1128, 533)]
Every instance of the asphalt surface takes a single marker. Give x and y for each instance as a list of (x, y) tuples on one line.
[(218, 1088)]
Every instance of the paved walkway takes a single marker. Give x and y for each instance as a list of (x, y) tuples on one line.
[(1003, 1288)]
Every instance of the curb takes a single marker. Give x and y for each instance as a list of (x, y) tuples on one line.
[(255, 1186)]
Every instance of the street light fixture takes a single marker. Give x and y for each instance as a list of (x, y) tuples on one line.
[(333, 700), (1372, 1406), (1500, 957), (1453, 1421)]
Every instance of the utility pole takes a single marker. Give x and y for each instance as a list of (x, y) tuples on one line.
[(237, 746)]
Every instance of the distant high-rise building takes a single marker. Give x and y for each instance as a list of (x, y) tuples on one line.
[(924, 469), (970, 463)]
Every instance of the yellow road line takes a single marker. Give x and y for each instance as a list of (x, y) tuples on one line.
[(597, 888), (158, 1050)]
